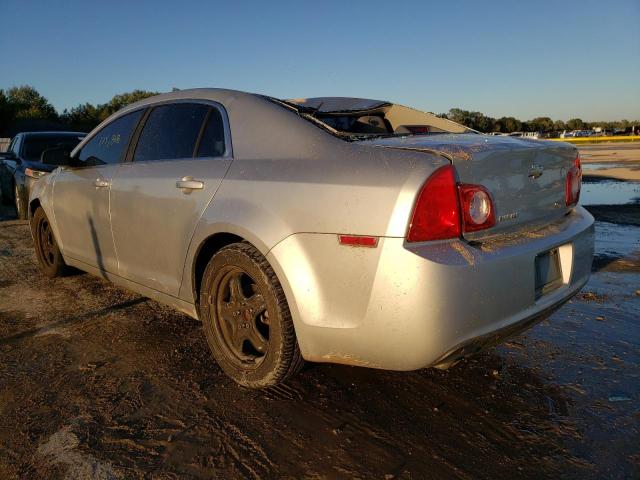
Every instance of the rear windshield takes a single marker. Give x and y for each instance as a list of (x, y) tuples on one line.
[(34, 145), (385, 120)]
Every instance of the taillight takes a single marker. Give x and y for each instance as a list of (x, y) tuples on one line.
[(477, 207), (573, 183), (436, 215)]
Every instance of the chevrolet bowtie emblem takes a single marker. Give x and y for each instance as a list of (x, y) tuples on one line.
[(535, 171)]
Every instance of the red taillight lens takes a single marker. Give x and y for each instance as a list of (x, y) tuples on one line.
[(436, 215), (477, 207), (574, 183)]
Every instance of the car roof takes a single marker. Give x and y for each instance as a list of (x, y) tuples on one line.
[(322, 104), (215, 94)]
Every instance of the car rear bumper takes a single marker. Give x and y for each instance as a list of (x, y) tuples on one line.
[(491, 339), (407, 306)]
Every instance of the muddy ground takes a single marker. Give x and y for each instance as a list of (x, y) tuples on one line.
[(97, 382)]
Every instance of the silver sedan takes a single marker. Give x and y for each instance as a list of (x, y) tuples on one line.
[(333, 229)]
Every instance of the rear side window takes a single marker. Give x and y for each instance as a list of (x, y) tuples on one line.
[(170, 132), (212, 140), (109, 144)]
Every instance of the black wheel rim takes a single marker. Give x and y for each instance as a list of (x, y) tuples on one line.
[(46, 243), (242, 318)]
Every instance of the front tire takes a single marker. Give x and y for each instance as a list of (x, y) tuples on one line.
[(246, 318), (47, 252)]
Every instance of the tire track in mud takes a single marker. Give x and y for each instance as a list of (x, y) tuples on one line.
[(282, 392), (243, 446), (218, 445)]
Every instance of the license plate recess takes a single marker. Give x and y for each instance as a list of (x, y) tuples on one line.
[(548, 272)]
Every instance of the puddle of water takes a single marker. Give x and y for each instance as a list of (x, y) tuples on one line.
[(610, 193), (616, 240), (600, 166)]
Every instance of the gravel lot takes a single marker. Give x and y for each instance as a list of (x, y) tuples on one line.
[(97, 382)]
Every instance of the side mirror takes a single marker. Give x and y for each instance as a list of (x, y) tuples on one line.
[(56, 156), (10, 155)]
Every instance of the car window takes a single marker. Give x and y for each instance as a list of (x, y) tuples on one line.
[(212, 140), (170, 132), (34, 145), (12, 145), (110, 143), (15, 145)]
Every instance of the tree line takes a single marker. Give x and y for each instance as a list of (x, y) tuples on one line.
[(23, 107), (479, 121)]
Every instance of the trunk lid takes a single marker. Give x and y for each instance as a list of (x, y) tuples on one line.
[(526, 178)]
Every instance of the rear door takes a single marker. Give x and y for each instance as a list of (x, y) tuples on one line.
[(81, 195), (181, 155)]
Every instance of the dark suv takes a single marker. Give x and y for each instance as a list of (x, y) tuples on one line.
[(20, 165)]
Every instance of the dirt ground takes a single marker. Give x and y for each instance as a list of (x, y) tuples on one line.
[(99, 383)]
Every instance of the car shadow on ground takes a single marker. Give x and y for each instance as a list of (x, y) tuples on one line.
[(69, 321)]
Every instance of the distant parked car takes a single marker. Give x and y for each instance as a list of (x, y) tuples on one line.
[(20, 165), (328, 229)]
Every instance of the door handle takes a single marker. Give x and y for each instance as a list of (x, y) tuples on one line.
[(189, 183), (101, 183)]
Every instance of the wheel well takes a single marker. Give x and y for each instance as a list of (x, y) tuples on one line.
[(207, 250), (35, 203)]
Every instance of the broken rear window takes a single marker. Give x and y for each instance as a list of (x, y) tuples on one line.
[(359, 119)]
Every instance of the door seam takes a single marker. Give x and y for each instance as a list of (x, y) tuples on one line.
[(113, 238), (193, 233)]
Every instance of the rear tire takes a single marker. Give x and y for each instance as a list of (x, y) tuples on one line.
[(47, 252), (246, 318)]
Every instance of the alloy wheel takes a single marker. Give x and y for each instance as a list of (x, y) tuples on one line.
[(46, 243), (242, 317)]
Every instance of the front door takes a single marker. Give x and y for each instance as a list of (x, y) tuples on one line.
[(81, 195), (158, 197)]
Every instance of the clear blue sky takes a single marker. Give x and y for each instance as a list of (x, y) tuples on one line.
[(558, 58)]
